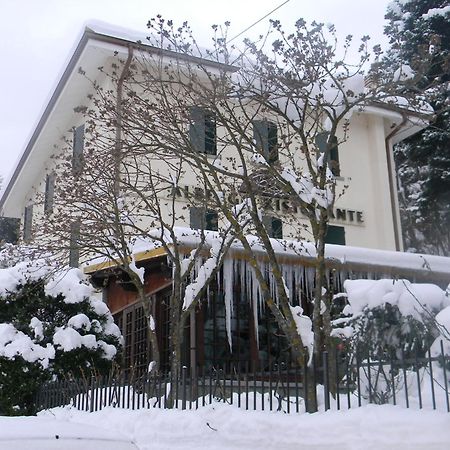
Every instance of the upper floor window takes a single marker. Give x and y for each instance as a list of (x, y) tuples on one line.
[(335, 235), (78, 147), (204, 219), (27, 223), (274, 227), (202, 131), (266, 139), (333, 156), (49, 193)]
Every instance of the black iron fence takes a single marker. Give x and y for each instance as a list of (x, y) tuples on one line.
[(340, 383)]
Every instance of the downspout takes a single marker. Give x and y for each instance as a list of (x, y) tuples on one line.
[(118, 140), (392, 187)]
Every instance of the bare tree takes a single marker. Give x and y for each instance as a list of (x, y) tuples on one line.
[(260, 126)]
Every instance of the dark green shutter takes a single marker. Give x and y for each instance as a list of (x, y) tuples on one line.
[(335, 235), (210, 134), (197, 129), (277, 228), (78, 146), (197, 218), (333, 156), (273, 226), (9, 230), (272, 138), (74, 249), (49, 193), (321, 141), (211, 220), (27, 223), (266, 140)]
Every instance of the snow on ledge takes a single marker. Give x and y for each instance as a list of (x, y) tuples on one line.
[(341, 254)]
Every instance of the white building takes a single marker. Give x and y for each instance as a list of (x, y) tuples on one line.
[(366, 216)]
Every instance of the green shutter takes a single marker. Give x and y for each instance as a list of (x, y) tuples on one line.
[(210, 134), (333, 156), (266, 140), (74, 249), (9, 230), (197, 218), (335, 235), (273, 226), (78, 147), (49, 193), (321, 141), (272, 138), (27, 223), (211, 220), (197, 129), (277, 228)]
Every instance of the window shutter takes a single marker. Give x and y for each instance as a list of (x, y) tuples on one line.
[(197, 129), (9, 230), (261, 136), (210, 134), (335, 235), (273, 226), (197, 218), (272, 138), (49, 193), (266, 140), (333, 156), (74, 249), (78, 146), (27, 223), (321, 141), (277, 228), (211, 220)]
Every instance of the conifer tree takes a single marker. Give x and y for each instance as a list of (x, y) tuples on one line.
[(416, 28)]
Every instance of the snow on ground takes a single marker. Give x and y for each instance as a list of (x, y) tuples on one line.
[(220, 427)]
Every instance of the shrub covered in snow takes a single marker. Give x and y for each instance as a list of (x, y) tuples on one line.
[(50, 327), (390, 317)]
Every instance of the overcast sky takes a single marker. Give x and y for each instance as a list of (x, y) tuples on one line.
[(37, 37)]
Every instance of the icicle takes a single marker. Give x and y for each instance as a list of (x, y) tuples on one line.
[(228, 283)]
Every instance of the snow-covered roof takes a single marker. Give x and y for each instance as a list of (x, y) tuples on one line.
[(302, 252)]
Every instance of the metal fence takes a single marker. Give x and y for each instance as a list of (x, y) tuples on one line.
[(340, 383)]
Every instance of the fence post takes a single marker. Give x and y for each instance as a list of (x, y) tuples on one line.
[(183, 399), (445, 376), (432, 379), (326, 381)]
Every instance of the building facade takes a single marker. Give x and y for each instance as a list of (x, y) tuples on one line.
[(366, 216)]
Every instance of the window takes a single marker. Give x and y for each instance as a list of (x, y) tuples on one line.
[(27, 223), (203, 219), (333, 156), (78, 146), (49, 193), (274, 227), (266, 139), (335, 235), (9, 230), (74, 249), (202, 131)]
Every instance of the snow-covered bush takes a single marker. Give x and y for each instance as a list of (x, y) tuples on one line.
[(393, 318), (51, 326), (387, 320)]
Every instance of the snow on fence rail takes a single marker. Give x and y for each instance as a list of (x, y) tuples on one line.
[(340, 383)]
